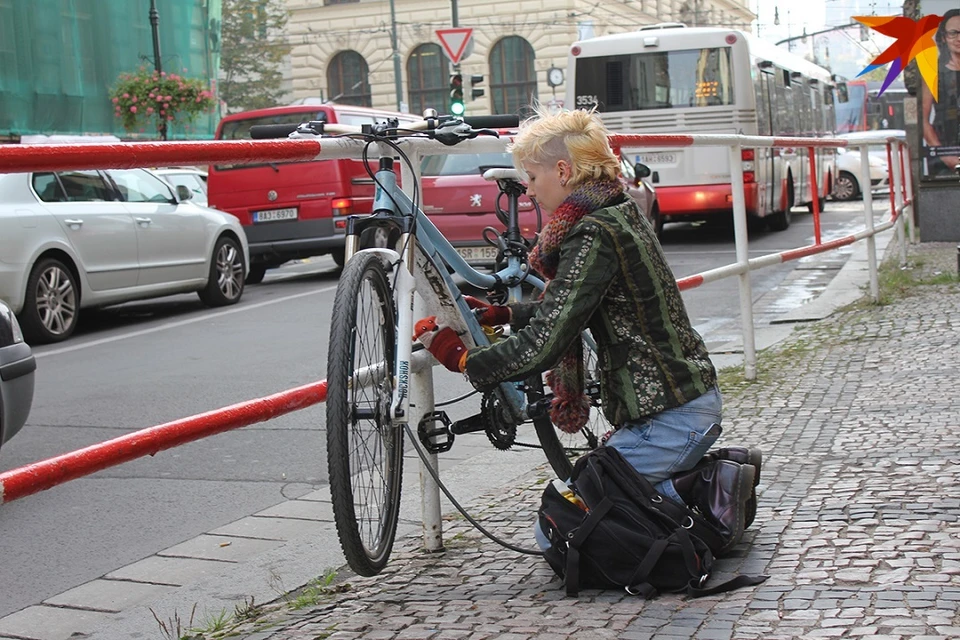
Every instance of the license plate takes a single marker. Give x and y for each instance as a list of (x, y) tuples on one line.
[(272, 215), (478, 254), (657, 158)]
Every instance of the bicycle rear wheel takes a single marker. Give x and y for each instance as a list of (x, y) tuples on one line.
[(562, 449), (364, 446)]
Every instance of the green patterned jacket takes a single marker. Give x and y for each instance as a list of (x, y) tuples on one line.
[(613, 279)]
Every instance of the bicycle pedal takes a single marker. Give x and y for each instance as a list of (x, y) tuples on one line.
[(434, 438)]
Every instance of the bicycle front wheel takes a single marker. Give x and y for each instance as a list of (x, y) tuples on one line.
[(364, 446), (562, 449)]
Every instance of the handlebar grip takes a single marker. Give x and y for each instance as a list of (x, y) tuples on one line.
[(267, 131), (504, 121)]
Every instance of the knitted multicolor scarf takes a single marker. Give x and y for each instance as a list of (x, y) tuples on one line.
[(570, 407)]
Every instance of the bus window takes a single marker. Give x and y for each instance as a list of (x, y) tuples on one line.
[(658, 80)]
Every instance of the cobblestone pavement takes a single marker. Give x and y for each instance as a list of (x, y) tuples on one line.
[(857, 523)]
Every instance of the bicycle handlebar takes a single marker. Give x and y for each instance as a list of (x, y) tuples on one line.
[(270, 131)]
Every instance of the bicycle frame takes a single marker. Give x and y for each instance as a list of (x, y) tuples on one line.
[(426, 256)]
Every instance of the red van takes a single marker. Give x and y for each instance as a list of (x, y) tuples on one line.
[(287, 209)]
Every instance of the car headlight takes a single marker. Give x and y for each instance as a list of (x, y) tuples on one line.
[(12, 321)]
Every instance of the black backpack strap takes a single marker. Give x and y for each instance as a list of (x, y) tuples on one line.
[(638, 581), (695, 590), (571, 577)]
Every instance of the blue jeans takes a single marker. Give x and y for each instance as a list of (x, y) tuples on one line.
[(671, 441), (666, 443)]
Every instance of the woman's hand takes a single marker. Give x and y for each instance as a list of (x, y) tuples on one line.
[(443, 342), (491, 315)]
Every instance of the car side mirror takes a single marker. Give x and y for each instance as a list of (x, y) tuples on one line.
[(642, 170), (184, 192)]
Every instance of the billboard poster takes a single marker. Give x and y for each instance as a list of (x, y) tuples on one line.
[(939, 114)]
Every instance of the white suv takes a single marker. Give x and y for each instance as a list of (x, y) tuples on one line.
[(79, 239)]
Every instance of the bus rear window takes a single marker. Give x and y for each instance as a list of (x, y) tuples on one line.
[(656, 80), (240, 129)]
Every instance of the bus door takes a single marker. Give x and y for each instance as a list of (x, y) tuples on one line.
[(766, 156)]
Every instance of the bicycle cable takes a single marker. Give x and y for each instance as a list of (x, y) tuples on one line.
[(463, 512)]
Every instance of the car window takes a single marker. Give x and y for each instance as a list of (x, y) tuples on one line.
[(463, 164), (189, 180), (136, 185), (85, 186), (48, 187)]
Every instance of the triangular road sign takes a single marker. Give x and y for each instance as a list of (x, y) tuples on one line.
[(454, 41)]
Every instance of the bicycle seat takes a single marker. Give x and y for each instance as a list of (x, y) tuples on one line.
[(501, 173)]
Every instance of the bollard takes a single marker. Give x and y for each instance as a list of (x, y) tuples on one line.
[(958, 260)]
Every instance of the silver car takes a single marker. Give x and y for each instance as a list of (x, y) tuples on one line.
[(77, 239), (17, 366)]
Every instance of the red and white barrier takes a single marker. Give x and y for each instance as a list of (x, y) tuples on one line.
[(39, 476)]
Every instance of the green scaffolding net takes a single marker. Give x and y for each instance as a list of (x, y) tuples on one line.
[(60, 58)]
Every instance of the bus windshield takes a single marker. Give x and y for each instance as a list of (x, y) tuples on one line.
[(656, 80)]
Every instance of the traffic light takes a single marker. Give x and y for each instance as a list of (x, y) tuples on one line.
[(456, 94), (475, 93)]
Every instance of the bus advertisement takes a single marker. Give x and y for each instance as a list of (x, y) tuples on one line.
[(670, 78)]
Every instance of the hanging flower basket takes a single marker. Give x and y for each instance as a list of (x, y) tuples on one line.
[(148, 98)]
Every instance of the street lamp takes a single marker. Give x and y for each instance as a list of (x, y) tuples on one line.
[(155, 30)]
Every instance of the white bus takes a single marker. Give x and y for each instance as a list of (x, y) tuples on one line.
[(670, 78)]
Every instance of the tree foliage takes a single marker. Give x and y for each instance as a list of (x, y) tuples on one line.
[(253, 45)]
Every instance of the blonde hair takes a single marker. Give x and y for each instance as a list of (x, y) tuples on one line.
[(579, 137)]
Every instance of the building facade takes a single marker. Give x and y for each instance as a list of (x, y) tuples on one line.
[(343, 50)]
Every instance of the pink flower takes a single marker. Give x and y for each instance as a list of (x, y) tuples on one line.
[(170, 118), (116, 100), (133, 109), (166, 105), (150, 95), (126, 95), (149, 109), (133, 99), (163, 73)]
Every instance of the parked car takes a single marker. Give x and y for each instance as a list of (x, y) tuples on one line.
[(847, 185), (462, 204), (189, 177), (79, 239), (17, 366)]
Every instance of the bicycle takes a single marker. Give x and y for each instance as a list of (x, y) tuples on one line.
[(371, 346)]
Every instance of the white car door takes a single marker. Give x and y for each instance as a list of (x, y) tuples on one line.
[(171, 237), (99, 228)]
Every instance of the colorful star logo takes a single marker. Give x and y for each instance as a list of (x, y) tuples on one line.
[(914, 39)]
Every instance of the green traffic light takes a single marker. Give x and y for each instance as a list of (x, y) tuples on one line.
[(456, 108)]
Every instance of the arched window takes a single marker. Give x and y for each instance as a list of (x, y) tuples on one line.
[(513, 80), (428, 79), (348, 79)]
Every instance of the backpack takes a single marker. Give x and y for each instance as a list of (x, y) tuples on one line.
[(613, 529)]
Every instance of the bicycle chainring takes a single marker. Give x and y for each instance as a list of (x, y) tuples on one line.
[(501, 432)]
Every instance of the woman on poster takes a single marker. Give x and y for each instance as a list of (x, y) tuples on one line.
[(941, 118)]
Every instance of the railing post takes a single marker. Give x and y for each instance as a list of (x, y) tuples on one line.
[(814, 193), (896, 199), (867, 189), (422, 401), (906, 168), (743, 258)]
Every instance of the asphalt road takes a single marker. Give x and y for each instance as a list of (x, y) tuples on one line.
[(147, 363)]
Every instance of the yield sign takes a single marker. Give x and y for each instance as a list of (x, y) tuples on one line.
[(454, 41)]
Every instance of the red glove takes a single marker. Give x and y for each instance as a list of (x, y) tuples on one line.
[(492, 315), (443, 342)]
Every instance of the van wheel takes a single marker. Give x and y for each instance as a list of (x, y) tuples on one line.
[(52, 307), (225, 283), (780, 220), (256, 274), (657, 220)]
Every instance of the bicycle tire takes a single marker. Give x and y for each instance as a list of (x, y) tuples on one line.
[(364, 446), (562, 449)]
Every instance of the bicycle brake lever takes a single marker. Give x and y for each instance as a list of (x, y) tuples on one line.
[(452, 135)]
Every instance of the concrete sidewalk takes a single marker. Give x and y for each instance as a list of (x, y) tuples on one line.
[(858, 522)]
